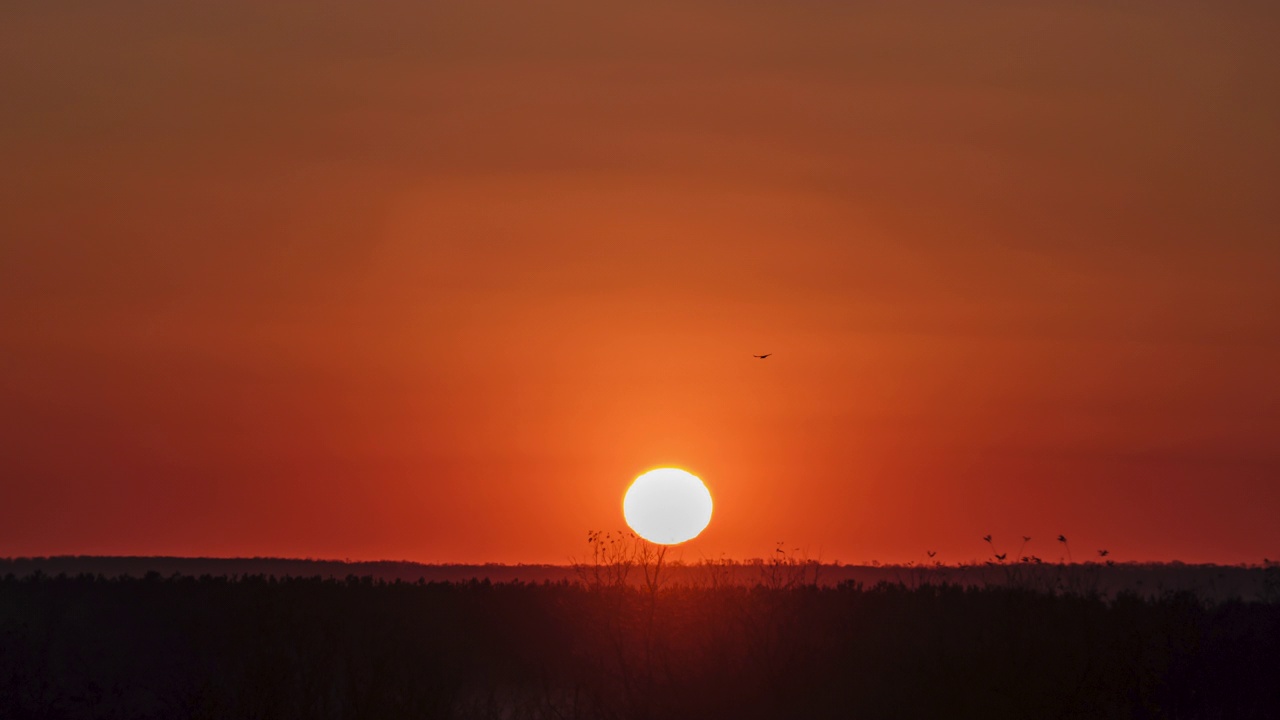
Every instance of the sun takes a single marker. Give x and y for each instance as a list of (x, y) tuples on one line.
[(667, 506)]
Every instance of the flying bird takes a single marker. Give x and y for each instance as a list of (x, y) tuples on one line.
[(762, 356)]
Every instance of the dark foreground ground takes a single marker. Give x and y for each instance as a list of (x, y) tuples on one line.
[(254, 647)]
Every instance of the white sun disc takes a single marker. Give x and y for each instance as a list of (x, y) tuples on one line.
[(667, 506)]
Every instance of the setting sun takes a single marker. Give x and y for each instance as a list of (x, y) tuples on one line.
[(667, 506)]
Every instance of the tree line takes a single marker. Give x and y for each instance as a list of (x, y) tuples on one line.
[(262, 647)]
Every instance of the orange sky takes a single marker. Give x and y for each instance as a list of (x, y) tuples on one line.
[(434, 280)]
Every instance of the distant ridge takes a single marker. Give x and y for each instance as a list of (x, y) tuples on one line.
[(1210, 582), (387, 570)]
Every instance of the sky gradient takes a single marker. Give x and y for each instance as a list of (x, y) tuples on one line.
[(435, 280)]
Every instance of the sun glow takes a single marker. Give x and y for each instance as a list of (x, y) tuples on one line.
[(667, 506)]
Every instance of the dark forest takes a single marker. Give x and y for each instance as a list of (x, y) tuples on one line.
[(266, 647)]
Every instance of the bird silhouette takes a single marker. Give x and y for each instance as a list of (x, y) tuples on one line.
[(1103, 553), (761, 357), (1062, 538), (1001, 556), (986, 538)]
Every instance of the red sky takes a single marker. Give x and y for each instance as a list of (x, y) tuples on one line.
[(435, 280)]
